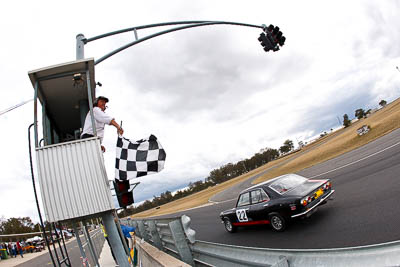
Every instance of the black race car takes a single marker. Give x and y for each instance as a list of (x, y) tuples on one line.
[(277, 201)]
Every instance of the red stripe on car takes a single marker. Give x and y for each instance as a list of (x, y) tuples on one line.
[(250, 223)]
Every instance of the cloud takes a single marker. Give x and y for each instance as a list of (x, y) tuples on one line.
[(383, 32), (210, 94)]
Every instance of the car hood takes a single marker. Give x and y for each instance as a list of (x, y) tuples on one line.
[(305, 188)]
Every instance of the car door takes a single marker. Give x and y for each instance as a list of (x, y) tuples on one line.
[(259, 205), (242, 208)]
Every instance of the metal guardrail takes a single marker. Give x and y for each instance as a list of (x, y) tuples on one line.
[(174, 236), (387, 254), (171, 235)]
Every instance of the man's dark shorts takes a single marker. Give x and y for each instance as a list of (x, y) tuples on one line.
[(84, 136)]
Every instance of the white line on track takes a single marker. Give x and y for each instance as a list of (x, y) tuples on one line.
[(216, 202), (354, 162)]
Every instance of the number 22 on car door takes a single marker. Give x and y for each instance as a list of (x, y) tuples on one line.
[(241, 215)]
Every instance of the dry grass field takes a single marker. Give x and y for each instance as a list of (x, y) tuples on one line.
[(381, 122), (332, 145)]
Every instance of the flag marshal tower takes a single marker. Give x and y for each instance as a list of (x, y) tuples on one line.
[(72, 177)]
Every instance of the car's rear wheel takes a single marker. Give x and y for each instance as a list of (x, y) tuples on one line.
[(229, 226), (278, 223)]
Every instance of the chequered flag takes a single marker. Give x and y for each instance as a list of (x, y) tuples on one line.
[(140, 158)]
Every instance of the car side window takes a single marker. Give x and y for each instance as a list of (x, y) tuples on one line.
[(258, 196), (255, 196), (244, 200), (264, 196)]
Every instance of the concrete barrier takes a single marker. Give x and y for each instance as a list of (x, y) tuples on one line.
[(151, 256)]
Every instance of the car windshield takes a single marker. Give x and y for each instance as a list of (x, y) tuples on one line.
[(287, 182)]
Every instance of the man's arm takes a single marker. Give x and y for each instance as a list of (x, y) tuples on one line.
[(105, 118), (116, 125)]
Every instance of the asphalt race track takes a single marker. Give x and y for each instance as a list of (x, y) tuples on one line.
[(365, 209)]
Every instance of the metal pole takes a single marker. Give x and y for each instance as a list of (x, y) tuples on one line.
[(90, 245), (83, 109), (166, 24), (35, 114), (115, 240), (126, 246), (208, 23), (80, 46), (90, 102), (78, 240)]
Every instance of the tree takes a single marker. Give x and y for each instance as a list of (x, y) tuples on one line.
[(367, 112), (360, 113), (289, 143), (284, 149), (287, 146), (17, 226), (382, 103), (346, 121)]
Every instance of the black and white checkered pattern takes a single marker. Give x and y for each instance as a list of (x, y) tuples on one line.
[(140, 158)]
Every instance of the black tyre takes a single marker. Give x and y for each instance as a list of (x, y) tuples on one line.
[(278, 222), (229, 226)]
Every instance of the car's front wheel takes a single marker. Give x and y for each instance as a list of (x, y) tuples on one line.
[(278, 223), (229, 226)]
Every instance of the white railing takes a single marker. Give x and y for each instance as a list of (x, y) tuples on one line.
[(73, 180)]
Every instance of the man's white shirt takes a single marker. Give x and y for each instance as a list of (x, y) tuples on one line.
[(100, 120)]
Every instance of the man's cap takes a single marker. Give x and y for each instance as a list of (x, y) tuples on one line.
[(96, 101), (102, 98)]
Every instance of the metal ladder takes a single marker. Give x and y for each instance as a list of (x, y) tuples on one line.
[(57, 261)]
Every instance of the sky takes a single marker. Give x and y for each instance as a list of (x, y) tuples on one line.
[(210, 94)]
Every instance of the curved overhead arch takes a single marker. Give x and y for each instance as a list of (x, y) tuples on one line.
[(81, 40)]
